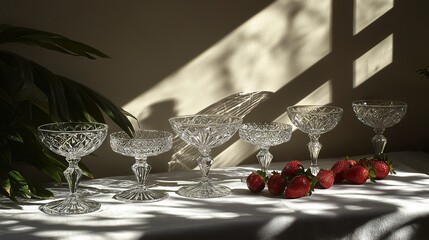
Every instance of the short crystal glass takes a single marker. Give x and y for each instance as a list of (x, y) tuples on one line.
[(143, 144), (379, 114), (314, 120), (205, 132), (73, 141), (265, 135)]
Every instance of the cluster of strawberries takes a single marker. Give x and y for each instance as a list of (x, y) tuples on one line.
[(295, 182)]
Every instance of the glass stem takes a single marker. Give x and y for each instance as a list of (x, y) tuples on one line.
[(141, 169), (73, 173), (205, 163), (314, 147), (379, 141), (264, 157)]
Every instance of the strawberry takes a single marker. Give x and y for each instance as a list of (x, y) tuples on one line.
[(298, 187), (380, 164), (381, 169), (368, 160), (339, 167), (256, 181), (301, 185), (276, 183), (358, 174), (325, 178), (291, 169)]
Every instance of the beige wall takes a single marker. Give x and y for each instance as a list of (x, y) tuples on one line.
[(177, 57)]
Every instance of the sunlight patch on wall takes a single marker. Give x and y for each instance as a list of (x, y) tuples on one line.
[(239, 151), (263, 54), (367, 11), (373, 61)]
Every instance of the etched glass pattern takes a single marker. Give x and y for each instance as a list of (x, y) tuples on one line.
[(143, 144), (379, 114), (264, 135), (314, 120), (73, 141), (205, 132)]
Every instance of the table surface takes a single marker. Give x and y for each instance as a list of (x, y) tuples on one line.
[(394, 208)]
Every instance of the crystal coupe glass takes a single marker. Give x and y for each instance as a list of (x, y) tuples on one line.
[(143, 144), (265, 135), (72, 141), (314, 120), (379, 114), (205, 132)]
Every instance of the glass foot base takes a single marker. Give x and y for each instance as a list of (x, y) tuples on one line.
[(73, 204), (140, 194), (204, 190)]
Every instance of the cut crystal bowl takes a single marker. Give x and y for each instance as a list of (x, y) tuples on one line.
[(205, 132), (264, 135), (314, 120), (72, 141), (379, 114), (143, 144)]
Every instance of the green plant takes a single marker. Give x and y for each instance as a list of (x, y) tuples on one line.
[(31, 95)]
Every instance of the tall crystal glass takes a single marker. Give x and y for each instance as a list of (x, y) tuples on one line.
[(314, 120), (265, 135), (143, 144), (379, 114), (72, 141), (205, 132)]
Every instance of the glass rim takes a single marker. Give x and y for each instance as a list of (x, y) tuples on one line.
[(379, 103), (172, 119), (165, 134), (294, 108), (285, 126), (43, 128)]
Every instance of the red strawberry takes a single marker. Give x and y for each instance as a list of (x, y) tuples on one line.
[(256, 181), (325, 178), (359, 174), (291, 169), (380, 164), (277, 183), (339, 167), (364, 161), (298, 187), (301, 185), (381, 169)]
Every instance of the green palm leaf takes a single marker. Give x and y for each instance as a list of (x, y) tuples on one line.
[(31, 95), (51, 41)]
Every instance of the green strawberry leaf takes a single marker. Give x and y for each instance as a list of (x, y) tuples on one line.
[(312, 179)]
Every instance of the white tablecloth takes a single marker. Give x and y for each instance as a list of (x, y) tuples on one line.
[(394, 208)]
